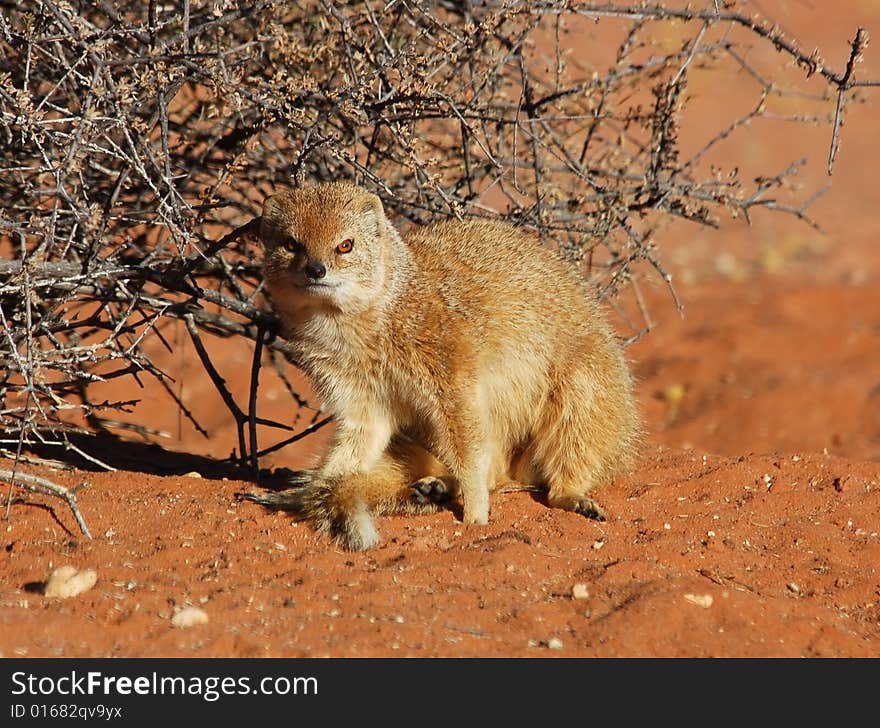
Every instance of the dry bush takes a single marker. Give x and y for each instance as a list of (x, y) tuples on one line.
[(132, 140)]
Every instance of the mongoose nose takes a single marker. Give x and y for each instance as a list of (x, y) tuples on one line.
[(316, 270)]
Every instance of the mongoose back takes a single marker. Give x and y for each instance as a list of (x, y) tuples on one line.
[(464, 359)]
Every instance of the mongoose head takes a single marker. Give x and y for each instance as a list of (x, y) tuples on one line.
[(325, 247)]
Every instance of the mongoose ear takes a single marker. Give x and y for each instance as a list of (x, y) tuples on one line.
[(368, 208), (270, 206), (264, 233), (269, 221), (368, 202)]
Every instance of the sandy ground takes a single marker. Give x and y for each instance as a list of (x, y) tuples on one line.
[(749, 527)]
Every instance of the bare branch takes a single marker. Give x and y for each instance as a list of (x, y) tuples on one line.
[(132, 143), (36, 484)]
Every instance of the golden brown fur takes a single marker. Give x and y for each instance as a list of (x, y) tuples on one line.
[(468, 358)]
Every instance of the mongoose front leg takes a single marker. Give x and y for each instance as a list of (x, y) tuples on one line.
[(357, 447), (473, 477), (467, 452), (338, 498), (475, 494)]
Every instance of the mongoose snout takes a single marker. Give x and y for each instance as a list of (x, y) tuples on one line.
[(463, 359)]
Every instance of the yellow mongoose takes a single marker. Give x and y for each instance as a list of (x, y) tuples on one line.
[(465, 359)]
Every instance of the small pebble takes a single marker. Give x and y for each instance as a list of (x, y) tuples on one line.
[(193, 474), (701, 600), (554, 643), (189, 617), (674, 393), (580, 591), (67, 581)]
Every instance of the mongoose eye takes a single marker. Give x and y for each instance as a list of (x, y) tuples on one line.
[(291, 243), (345, 246)]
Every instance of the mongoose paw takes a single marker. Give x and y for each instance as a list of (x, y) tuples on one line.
[(577, 504), (589, 508), (430, 491)]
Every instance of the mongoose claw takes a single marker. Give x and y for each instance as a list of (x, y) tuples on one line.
[(429, 491)]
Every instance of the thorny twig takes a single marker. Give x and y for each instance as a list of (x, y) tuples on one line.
[(857, 47)]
